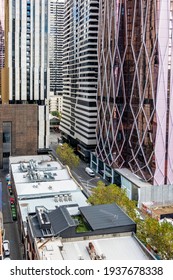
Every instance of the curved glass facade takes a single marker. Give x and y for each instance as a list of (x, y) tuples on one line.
[(134, 124)]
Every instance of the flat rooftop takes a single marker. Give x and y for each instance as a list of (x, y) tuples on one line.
[(27, 206), (132, 177), (158, 208), (41, 181), (112, 248), (19, 159), (55, 175), (45, 189)]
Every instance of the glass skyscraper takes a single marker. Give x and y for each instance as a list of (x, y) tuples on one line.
[(135, 88)]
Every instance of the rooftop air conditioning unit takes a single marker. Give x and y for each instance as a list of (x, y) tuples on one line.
[(56, 198)]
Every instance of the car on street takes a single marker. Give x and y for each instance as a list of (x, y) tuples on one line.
[(90, 172), (6, 248)]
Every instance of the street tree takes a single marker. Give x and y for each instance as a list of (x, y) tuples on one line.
[(113, 194), (67, 156), (158, 236)]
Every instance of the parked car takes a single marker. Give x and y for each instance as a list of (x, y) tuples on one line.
[(89, 171), (7, 177), (6, 248)]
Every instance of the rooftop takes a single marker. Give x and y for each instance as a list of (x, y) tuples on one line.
[(19, 159), (105, 216), (39, 180), (111, 248), (45, 189), (157, 208)]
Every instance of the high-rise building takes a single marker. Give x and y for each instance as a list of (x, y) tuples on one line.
[(2, 43), (56, 45), (135, 89), (25, 77), (80, 70)]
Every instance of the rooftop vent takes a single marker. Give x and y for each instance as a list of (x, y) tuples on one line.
[(50, 187), (43, 218)]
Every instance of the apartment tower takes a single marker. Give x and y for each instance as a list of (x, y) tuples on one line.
[(80, 69), (135, 88), (26, 69), (56, 45), (24, 113)]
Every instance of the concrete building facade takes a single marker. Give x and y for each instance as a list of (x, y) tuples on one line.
[(80, 67), (56, 45), (18, 137), (25, 76)]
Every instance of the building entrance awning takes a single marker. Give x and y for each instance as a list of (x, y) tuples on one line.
[(108, 174)]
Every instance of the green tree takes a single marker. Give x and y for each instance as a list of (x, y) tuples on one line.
[(113, 194), (56, 114), (159, 236), (67, 155)]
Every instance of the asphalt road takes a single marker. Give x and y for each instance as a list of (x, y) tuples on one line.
[(11, 227), (79, 173)]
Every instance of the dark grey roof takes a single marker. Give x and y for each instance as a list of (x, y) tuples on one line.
[(35, 226), (105, 216), (60, 220)]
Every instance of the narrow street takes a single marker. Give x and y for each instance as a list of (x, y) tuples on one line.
[(79, 171), (10, 226)]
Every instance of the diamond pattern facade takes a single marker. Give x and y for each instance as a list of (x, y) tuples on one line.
[(135, 94)]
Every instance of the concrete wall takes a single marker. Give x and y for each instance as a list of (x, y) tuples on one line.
[(160, 194), (24, 126)]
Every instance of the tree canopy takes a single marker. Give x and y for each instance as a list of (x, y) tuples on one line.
[(159, 236), (112, 194), (56, 114), (67, 155)]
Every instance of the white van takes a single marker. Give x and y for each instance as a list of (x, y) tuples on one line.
[(89, 171)]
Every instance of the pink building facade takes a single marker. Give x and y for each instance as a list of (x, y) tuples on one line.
[(135, 88)]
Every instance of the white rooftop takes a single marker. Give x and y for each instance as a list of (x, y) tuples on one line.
[(42, 189), (19, 159), (28, 206), (114, 248), (22, 177), (58, 189)]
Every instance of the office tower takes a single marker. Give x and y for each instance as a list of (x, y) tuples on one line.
[(80, 69), (135, 93), (26, 71), (56, 45)]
